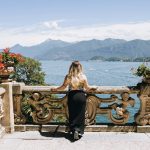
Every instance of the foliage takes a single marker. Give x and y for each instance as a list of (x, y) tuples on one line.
[(29, 72), (142, 71), (59, 118)]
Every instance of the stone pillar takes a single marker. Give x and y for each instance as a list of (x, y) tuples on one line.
[(2, 129), (17, 98), (143, 116), (8, 120), (11, 88)]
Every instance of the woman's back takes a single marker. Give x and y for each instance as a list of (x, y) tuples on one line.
[(76, 82)]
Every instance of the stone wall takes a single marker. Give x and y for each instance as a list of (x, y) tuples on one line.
[(2, 129)]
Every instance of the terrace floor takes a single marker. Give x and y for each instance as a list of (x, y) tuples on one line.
[(34, 140)]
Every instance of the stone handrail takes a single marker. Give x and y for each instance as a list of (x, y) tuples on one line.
[(99, 89)]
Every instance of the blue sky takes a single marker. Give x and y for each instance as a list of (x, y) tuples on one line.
[(30, 21)]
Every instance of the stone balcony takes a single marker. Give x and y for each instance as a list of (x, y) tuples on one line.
[(45, 109), (41, 129)]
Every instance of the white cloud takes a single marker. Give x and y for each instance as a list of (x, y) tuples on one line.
[(51, 24), (33, 34)]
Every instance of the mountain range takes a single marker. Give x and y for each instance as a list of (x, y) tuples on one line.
[(85, 50)]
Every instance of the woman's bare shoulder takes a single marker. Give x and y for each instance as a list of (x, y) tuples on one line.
[(68, 77), (84, 76)]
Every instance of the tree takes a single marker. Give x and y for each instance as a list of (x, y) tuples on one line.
[(29, 72)]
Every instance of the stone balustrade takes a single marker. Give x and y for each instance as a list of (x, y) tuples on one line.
[(45, 107), (38, 105)]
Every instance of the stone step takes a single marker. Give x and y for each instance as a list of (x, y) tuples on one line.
[(92, 128)]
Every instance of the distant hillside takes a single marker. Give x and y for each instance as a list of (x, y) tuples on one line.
[(40, 49), (87, 50), (83, 50), (131, 49)]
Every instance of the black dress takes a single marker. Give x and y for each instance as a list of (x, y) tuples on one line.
[(76, 107)]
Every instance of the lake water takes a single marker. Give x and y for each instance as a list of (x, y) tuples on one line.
[(98, 73)]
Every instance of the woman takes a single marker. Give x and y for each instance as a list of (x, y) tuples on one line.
[(77, 83)]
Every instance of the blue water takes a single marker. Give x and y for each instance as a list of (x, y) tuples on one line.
[(100, 74)]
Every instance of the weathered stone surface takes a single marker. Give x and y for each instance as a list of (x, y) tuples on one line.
[(8, 119), (99, 89), (143, 129), (63, 128), (2, 132), (33, 140), (17, 87), (110, 128)]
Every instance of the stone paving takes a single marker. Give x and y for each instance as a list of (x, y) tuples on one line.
[(34, 140)]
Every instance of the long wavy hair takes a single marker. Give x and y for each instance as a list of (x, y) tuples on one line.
[(76, 73)]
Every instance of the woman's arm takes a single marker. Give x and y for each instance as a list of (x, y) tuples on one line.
[(64, 85)]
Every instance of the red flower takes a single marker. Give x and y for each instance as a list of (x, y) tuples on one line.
[(13, 55), (1, 65), (6, 57), (6, 50)]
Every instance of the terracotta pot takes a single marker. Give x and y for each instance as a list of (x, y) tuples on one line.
[(10, 64), (4, 76)]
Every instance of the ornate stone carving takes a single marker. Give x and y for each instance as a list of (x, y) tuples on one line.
[(91, 108), (143, 116), (121, 112), (1, 107), (42, 107)]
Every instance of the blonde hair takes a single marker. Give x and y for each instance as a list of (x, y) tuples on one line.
[(75, 69), (76, 73)]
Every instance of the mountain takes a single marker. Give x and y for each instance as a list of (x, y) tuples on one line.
[(81, 50), (86, 50), (107, 48), (131, 49), (33, 51)]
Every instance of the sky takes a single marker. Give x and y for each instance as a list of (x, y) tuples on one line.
[(29, 22)]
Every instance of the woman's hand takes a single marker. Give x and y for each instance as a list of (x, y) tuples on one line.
[(92, 89), (53, 89)]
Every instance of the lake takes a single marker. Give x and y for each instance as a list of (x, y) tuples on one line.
[(98, 73)]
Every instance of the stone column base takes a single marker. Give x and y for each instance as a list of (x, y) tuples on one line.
[(2, 132)]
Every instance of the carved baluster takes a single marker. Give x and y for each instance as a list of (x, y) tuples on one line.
[(18, 116), (93, 107)]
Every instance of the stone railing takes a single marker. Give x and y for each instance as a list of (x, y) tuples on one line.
[(38, 105), (2, 91), (43, 107)]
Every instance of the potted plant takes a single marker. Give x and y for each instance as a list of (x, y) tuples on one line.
[(143, 71), (8, 61)]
